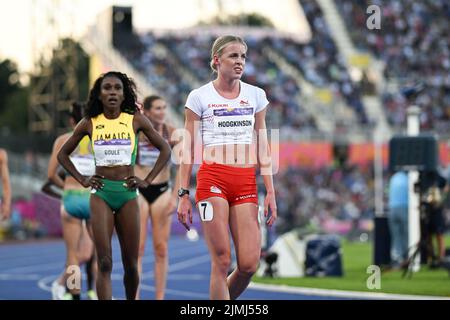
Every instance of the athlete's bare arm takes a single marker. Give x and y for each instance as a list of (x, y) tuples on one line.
[(187, 160), (52, 171), (265, 165), (173, 144), (5, 208)]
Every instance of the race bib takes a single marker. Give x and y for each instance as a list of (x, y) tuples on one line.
[(206, 210), (234, 124), (114, 152)]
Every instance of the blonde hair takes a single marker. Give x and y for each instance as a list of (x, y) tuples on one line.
[(219, 44)]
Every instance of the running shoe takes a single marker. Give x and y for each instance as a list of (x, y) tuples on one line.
[(92, 295), (58, 291)]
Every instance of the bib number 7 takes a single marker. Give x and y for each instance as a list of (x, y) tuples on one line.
[(206, 210)]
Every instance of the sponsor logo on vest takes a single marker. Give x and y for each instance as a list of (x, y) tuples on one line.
[(124, 124), (214, 189), (218, 105), (244, 103), (246, 197), (99, 126)]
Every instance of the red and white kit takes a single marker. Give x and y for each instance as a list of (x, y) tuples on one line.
[(223, 122)]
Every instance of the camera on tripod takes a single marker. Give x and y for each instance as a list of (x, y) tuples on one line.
[(418, 153)]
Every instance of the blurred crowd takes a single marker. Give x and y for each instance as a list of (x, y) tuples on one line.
[(319, 60), (414, 44), (319, 196), (192, 53)]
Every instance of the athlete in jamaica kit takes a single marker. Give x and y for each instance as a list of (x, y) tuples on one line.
[(113, 124)]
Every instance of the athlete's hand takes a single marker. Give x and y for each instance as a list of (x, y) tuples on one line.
[(134, 182), (270, 202), (5, 211), (95, 182), (185, 211)]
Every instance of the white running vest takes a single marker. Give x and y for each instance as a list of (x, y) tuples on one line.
[(227, 121)]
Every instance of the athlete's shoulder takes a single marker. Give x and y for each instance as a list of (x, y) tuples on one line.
[(3, 154)]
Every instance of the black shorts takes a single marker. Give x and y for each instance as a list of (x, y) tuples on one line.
[(153, 191), (436, 221)]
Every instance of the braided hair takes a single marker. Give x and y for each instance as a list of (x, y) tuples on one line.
[(95, 106)]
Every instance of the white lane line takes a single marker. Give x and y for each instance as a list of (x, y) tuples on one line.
[(173, 254), (189, 262), (339, 293), (35, 267), (44, 283), (19, 277)]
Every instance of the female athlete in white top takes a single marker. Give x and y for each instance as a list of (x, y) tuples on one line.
[(228, 111)]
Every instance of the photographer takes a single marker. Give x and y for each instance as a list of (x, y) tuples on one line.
[(433, 189)]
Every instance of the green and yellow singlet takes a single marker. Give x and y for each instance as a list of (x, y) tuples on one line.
[(114, 141)]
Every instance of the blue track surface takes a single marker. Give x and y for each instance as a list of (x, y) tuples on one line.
[(27, 271)]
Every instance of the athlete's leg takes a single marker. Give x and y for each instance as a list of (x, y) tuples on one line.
[(59, 285), (102, 220), (161, 223), (218, 241), (247, 242), (91, 265), (144, 214), (127, 225), (72, 229), (85, 245)]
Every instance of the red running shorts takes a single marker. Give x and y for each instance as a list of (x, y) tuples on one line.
[(234, 184)]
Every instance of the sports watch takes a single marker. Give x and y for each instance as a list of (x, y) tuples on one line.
[(182, 192)]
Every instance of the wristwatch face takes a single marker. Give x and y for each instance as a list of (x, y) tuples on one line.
[(182, 192)]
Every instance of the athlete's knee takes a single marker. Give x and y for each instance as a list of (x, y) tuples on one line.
[(131, 271), (222, 261), (161, 250), (105, 264), (141, 251), (130, 264), (248, 266), (247, 270), (84, 256)]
